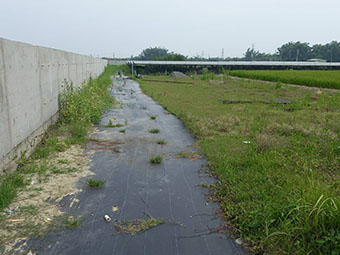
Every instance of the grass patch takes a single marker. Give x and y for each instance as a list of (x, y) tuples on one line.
[(161, 141), (72, 222), (153, 117), (63, 170), (315, 78), (154, 130), (280, 191), (135, 226), (189, 155), (9, 185), (31, 209), (156, 159), (122, 131), (111, 125), (95, 183), (63, 161)]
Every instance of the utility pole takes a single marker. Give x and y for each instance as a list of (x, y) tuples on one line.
[(297, 55), (222, 53)]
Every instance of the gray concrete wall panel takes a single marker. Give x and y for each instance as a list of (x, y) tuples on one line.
[(31, 78)]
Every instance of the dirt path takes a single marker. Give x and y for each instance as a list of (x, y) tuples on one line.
[(183, 221)]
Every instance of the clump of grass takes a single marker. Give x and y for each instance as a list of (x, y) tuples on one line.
[(161, 141), (49, 145), (9, 185), (63, 161), (189, 155), (95, 183), (111, 125), (72, 222), (154, 130), (81, 106), (135, 226), (156, 159), (63, 170), (153, 117), (31, 209), (208, 76), (278, 85), (122, 131)]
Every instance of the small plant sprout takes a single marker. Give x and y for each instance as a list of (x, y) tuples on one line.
[(154, 130), (63, 161), (95, 183), (156, 159), (72, 222), (111, 125), (153, 117), (161, 141)]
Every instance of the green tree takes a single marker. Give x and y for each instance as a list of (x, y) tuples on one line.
[(173, 57), (295, 51), (255, 55), (153, 53)]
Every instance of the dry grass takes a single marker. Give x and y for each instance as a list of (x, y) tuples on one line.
[(135, 226)]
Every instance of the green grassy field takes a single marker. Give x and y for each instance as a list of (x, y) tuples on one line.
[(277, 164), (317, 78)]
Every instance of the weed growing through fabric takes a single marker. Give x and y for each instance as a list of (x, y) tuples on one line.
[(161, 141), (95, 183), (154, 130), (135, 226), (72, 222), (111, 125), (156, 159)]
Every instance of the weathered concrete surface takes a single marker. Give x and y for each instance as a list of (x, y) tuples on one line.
[(31, 77), (171, 190)]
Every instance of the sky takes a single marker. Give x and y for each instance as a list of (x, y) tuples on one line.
[(126, 27)]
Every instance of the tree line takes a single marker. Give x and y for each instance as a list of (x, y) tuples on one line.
[(291, 51)]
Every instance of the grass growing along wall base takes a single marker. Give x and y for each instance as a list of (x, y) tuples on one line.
[(277, 164), (79, 108)]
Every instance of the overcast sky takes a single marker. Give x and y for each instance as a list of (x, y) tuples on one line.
[(190, 27)]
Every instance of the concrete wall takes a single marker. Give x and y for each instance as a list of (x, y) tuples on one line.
[(31, 77)]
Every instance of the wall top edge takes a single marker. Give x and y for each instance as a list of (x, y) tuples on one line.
[(48, 48)]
